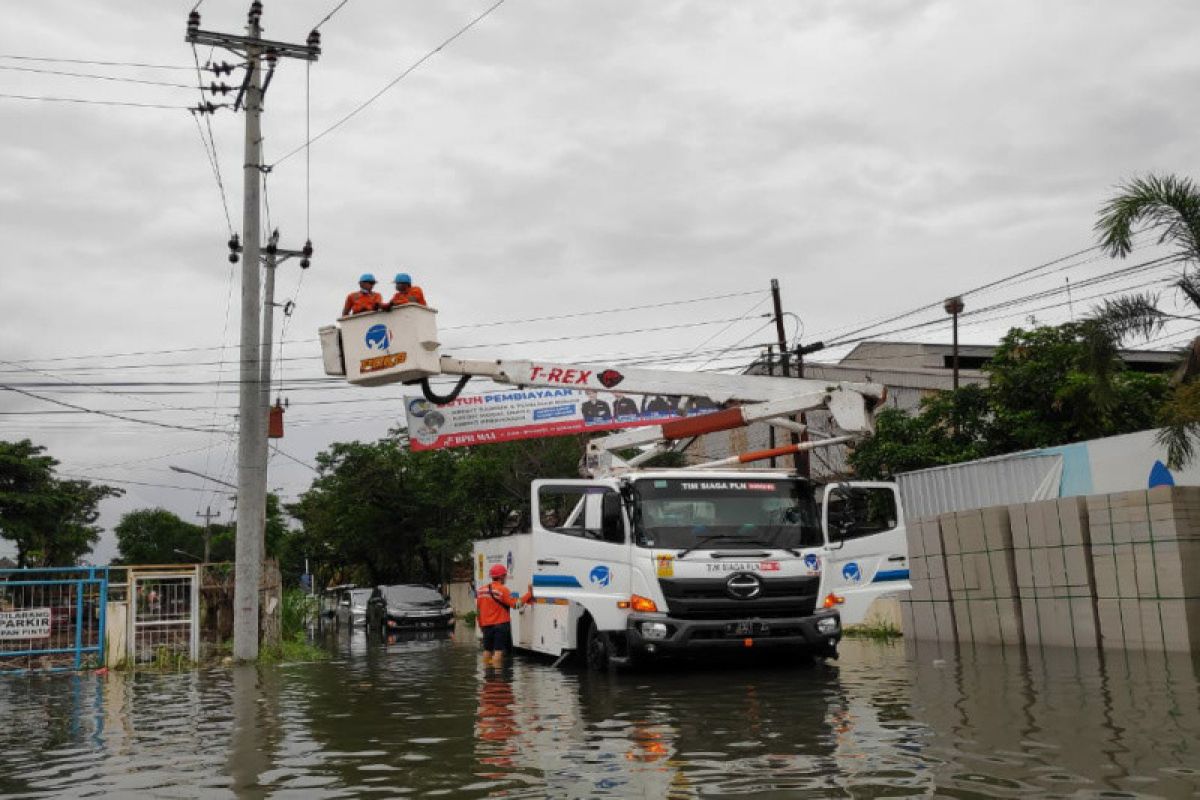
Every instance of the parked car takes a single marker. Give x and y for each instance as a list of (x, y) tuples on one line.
[(416, 607), (352, 606)]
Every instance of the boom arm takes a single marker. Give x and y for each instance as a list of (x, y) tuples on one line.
[(402, 345)]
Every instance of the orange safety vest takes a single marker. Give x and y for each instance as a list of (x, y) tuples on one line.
[(494, 601), (359, 302), (413, 295)]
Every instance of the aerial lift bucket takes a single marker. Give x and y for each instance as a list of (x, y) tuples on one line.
[(383, 346)]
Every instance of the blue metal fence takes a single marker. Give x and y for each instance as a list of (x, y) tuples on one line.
[(52, 619)]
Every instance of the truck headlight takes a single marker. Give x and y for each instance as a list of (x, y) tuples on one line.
[(827, 625), (654, 630)]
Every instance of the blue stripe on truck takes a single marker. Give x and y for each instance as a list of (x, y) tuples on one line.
[(568, 581), (891, 575)]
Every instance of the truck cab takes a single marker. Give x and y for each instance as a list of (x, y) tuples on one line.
[(662, 563)]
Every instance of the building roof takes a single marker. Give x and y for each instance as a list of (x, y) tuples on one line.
[(937, 356)]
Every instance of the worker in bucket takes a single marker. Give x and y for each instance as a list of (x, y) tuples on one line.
[(406, 292), (365, 299), (494, 602)]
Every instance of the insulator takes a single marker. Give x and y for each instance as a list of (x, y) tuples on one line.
[(235, 245), (272, 57), (256, 10), (218, 88), (307, 250), (314, 39), (217, 69), (288, 308), (193, 24), (305, 263)]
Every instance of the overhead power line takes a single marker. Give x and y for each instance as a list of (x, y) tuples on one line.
[(1020, 276), (134, 483), (329, 16), (407, 71), (515, 321), (93, 63), (92, 76), (106, 413), (84, 101)]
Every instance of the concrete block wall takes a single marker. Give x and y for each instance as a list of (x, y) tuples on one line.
[(1146, 556), (1052, 555), (979, 569), (1118, 571), (927, 610)]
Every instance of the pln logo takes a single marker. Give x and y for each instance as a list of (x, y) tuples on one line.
[(812, 563), (600, 576), (852, 573), (378, 337)]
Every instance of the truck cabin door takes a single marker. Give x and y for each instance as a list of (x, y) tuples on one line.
[(581, 546), (867, 552)]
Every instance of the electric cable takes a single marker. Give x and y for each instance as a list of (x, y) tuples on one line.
[(408, 71), (93, 76), (83, 101), (329, 16), (92, 63), (106, 413)]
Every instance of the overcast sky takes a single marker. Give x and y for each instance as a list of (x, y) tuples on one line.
[(560, 157)]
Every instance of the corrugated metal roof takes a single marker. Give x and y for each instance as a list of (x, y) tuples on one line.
[(1018, 478)]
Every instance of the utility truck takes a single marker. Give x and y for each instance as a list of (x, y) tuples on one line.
[(632, 564)]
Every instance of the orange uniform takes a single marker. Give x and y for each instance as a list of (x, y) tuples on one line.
[(360, 302), (413, 295), (494, 602)]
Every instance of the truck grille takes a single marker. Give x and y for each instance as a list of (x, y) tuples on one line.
[(708, 598)]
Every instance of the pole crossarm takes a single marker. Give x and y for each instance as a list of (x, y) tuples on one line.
[(241, 44)]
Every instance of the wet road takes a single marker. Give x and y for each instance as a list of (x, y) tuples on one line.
[(423, 718)]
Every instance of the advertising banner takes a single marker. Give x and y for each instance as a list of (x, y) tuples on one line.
[(509, 415), (27, 623)]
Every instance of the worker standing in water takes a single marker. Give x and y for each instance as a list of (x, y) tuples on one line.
[(406, 292), (365, 299), (494, 602)]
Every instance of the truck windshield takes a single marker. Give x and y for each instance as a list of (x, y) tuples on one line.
[(726, 514)]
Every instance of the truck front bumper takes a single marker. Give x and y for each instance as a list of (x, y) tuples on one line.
[(662, 635)]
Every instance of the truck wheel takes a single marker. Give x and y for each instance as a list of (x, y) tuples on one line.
[(597, 650)]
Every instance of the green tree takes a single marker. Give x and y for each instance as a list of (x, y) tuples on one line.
[(51, 521), (948, 428), (153, 535), (1057, 384), (1169, 205), (378, 513), (1047, 386)]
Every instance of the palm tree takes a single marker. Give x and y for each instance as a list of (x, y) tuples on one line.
[(1170, 206)]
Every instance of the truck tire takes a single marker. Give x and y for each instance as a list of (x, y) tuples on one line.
[(597, 649)]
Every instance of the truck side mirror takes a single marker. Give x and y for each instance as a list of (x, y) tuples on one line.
[(611, 527)]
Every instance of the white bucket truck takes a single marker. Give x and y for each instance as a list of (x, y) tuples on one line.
[(631, 564)]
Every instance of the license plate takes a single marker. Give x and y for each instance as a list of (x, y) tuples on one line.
[(424, 624), (746, 628)]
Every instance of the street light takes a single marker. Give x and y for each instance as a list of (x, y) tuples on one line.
[(202, 475), (186, 553), (954, 306)]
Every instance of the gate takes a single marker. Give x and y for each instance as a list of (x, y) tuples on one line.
[(52, 619), (164, 614)]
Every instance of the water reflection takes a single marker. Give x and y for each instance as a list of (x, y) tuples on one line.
[(422, 716)]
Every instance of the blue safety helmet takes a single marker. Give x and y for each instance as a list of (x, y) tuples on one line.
[(403, 277), (367, 277)]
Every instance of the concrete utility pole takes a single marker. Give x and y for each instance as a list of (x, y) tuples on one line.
[(252, 398), (208, 516), (803, 466)]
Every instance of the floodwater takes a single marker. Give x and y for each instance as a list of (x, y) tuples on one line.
[(425, 719)]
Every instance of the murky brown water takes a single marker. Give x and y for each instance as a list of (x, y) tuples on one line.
[(422, 718)]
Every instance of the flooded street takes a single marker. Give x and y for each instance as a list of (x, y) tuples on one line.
[(423, 718)]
